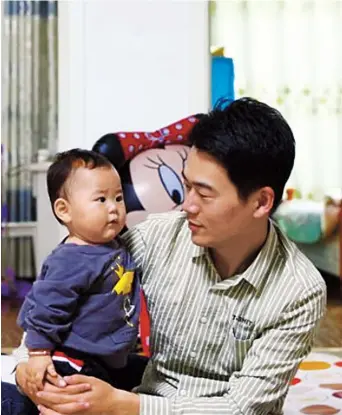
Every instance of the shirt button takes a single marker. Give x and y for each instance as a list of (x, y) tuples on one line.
[(203, 320), (182, 392), (193, 354)]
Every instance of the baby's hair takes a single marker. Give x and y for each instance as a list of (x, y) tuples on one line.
[(64, 164)]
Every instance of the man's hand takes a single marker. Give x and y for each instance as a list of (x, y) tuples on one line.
[(102, 399), (52, 384)]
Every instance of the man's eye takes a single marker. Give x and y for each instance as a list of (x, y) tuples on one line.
[(101, 199), (119, 198), (205, 197)]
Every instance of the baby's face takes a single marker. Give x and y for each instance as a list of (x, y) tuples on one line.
[(97, 208)]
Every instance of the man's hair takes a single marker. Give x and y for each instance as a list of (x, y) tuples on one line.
[(252, 141), (62, 167)]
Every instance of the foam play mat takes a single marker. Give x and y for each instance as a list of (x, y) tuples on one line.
[(315, 390), (317, 387), (7, 366)]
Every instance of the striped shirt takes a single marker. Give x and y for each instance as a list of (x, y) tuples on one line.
[(222, 346)]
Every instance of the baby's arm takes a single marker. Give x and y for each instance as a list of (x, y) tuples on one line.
[(48, 311), (23, 374)]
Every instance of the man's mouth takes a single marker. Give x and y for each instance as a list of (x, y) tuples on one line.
[(193, 226)]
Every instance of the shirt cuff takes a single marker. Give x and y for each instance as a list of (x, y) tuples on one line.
[(151, 405), (20, 355)]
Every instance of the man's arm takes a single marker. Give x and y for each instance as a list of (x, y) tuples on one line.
[(258, 389), (135, 243), (271, 363)]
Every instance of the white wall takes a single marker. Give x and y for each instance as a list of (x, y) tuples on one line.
[(130, 65), (127, 65)]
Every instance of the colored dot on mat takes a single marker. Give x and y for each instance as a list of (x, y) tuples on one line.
[(295, 381), (314, 365), (333, 386), (337, 394), (339, 364), (320, 410)]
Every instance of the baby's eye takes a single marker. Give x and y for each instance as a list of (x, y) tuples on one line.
[(119, 198), (101, 199)]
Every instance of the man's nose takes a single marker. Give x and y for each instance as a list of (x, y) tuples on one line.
[(189, 205)]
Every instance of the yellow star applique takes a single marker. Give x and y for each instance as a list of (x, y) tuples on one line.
[(124, 285)]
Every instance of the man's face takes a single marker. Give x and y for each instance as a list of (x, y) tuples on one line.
[(216, 214)]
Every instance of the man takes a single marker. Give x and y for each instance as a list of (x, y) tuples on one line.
[(233, 303)]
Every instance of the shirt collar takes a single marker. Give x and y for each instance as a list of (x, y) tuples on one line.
[(197, 251), (258, 269), (256, 272)]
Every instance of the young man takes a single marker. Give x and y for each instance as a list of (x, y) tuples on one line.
[(233, 303)]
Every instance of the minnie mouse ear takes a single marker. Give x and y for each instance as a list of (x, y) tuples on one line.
[(109, 145)]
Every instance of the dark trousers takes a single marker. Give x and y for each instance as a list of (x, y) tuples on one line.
[(13, 403), (86, 364)]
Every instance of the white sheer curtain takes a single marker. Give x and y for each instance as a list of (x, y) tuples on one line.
[(29, 114), (288, 53)]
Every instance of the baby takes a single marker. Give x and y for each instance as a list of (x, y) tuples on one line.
[(82, 314)]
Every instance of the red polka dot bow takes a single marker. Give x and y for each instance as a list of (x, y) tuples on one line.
[(122, 146)]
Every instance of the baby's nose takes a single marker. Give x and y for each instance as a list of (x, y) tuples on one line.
[(112, 207)]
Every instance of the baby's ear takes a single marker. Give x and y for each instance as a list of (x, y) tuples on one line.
[(109, 145)]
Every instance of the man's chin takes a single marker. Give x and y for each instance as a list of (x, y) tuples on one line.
[(199, 241)]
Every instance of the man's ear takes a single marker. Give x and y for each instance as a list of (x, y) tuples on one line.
[(62, 210), (264, 200)]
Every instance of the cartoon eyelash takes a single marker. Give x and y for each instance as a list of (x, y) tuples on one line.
[(160, 162), (156, 163), (183, 156)]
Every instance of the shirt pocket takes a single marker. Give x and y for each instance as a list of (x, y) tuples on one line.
[(241, 339), (243, 331), (238, 340)]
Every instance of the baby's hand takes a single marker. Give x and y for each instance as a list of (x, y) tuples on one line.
[(38, 367)]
